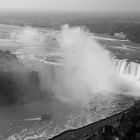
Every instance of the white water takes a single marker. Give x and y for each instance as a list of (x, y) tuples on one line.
[(130, 69), (87, 70), (87, 67)]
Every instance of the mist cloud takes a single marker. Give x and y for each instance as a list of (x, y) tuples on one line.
[(86, 70)]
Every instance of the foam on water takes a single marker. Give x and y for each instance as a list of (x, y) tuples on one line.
[(79, 73)]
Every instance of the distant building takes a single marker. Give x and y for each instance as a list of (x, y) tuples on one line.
[(120, 35)]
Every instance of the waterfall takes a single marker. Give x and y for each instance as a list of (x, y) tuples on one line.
[(124, 67)]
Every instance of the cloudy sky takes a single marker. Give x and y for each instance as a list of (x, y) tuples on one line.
[(74, 5)]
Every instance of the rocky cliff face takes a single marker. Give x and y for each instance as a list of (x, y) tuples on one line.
[(129, 127), (17, 83)]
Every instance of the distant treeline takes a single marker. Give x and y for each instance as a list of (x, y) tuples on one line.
[(131, 30), (106, 23), (110, 25)]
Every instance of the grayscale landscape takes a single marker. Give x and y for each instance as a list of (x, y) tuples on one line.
[(75, 65)]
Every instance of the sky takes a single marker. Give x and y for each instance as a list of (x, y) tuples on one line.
[(71, 5)]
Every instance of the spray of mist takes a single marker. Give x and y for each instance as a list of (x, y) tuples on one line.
[(28, 36), (87, 67)]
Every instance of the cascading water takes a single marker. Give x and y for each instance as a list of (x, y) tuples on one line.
[(76, 92), (126, 68)]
